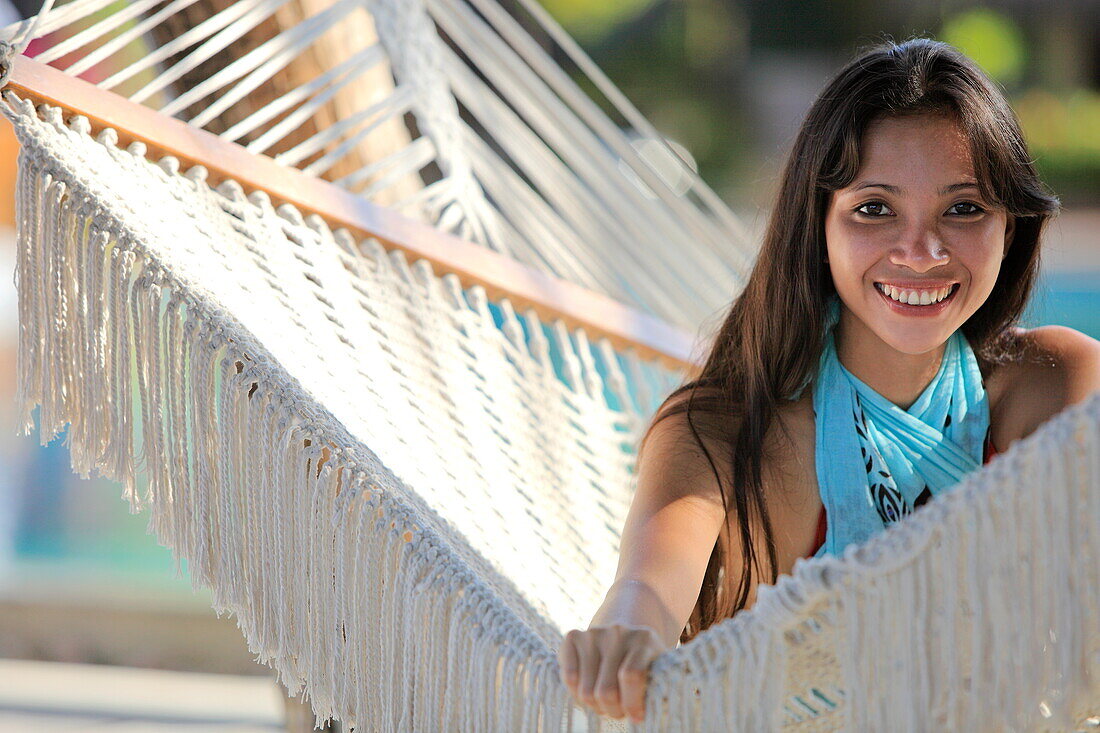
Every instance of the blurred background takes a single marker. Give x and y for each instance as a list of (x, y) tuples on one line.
[(82, 582)]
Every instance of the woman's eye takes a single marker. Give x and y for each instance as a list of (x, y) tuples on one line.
[(875, 207), (974, 208)]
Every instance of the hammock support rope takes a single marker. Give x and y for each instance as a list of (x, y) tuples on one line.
[(512, 154), (407, 558)]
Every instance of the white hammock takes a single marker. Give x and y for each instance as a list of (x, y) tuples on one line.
[(469, 512), (535, 169)]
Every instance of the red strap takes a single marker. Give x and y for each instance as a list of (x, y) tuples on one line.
[(822, 526), (990, 451)]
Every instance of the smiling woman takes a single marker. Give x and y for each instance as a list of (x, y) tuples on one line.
[(871, 362), (913, 229)]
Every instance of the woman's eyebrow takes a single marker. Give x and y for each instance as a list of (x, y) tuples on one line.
[(897, 190), (871, 184), (958, 186)]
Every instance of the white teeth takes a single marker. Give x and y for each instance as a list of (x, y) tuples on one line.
[(915, 297)]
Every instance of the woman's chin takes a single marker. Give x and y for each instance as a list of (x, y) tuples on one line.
[(911, 342), (906, 335), (911, 335)]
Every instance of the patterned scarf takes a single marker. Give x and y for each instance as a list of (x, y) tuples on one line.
[(875, 461)]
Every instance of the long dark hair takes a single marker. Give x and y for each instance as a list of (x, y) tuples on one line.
[(768, 344)]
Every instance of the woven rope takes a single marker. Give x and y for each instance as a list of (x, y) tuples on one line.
[(469, 512), (532, 167)]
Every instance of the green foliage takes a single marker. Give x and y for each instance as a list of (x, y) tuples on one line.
[(1063, 132), (587, 21), (992, 39)]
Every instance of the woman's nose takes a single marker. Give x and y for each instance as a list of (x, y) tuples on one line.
[(920, 251)]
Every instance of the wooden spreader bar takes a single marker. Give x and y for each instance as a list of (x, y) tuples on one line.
[(502, 277)]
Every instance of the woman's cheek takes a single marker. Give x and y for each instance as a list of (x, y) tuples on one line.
[(988, 279), (863, 256), (983, 264), (854, 250)]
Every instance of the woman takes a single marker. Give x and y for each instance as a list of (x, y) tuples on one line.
[(871, 361)]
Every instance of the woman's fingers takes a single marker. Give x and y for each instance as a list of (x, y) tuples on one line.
[(607, 668), (569, 662), (608, 695), (633, 678), (588, 654)]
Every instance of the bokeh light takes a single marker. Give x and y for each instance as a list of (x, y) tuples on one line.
[(587, 20), (991, 39)]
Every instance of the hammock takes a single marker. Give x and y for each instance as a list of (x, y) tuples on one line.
[(406, 493), (529, 165)]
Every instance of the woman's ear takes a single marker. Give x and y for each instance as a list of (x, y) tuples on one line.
[(1010, 230)]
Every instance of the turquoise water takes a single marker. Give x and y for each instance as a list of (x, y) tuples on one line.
[(1066, 299)]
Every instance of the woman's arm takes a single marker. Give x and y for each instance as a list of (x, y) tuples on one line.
[(668, 536), (667, 540)]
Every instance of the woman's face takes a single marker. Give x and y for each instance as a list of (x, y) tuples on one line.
[(913, 225)]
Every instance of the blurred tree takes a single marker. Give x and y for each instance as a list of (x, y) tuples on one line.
[(680, 62), (588, 21), (992, 39)]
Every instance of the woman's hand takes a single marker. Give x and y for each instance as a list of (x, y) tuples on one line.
[(607, 667)]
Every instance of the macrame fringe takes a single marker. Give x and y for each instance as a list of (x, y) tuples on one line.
[(337, 583), (334, 583)]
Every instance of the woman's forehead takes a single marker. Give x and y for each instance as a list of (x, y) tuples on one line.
[(927, 152)]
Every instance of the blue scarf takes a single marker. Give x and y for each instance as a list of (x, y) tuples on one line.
[(875, 461)]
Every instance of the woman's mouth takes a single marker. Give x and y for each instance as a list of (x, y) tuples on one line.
[(917, 301)]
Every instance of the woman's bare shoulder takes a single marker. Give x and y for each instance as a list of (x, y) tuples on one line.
[(1059, 366), (677, 443), (683, 450), (674, 460)]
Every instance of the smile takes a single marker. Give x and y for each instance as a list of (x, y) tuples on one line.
[(917, 301)]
